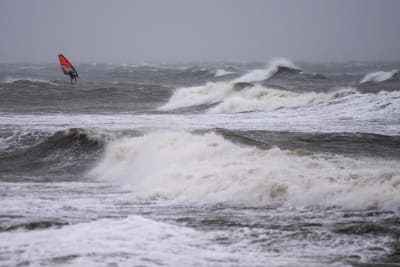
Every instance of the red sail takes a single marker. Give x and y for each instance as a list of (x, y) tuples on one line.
[(66, 66)]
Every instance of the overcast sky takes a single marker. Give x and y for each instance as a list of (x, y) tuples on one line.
[(140, 31)]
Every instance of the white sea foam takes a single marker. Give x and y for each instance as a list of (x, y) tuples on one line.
[(16, 139), (215, 92), (344, 110), (257, 97), (206, 168), (132, 241), (4, 144), (267, 99), (379, 76), (341, 102), (198, 95)]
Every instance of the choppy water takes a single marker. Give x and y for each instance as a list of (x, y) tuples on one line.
[(226, 164)]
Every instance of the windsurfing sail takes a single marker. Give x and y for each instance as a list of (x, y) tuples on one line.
[(66, 66)]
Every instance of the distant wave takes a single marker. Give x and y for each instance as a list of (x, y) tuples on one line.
[(29, 79), (380, 76), (215, 92), (244, 97), (268, 99), (195, 71), (273, 67), (198, 95), (32, 68), (222, 72), (207, 168), (239, 97)]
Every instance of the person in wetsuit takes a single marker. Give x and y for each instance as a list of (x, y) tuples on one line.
[(73, 75)]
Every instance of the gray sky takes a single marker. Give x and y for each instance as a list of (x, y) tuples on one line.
[(199, 30)]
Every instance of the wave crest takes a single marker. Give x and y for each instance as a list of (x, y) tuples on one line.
[(380, 76), (275, 66), (243, 96), (198, 95), (267, 99), (206, 168)]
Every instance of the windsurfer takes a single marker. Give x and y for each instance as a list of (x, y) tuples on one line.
[(73, 76), (68, 68)]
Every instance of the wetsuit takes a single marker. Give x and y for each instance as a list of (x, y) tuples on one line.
[(72, 75)]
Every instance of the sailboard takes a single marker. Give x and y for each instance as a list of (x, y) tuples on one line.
[(66, 66)]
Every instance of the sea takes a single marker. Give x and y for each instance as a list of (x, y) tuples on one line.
[(274, 163)]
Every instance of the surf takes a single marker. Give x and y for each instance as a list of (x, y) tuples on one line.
[(247, 92), (207, 168)]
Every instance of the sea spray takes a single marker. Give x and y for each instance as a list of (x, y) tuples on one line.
[(198, 95), (263, 98), (227, 99), (272, 68), (206, 168), (379, 76), (214, 92)]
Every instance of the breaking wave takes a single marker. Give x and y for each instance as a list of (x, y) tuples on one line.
[(198, 95), (235, 96), (380, 76), (207, 168), (267, 99), (275, 66), (222, 72), (240, 97), (246, 94)]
